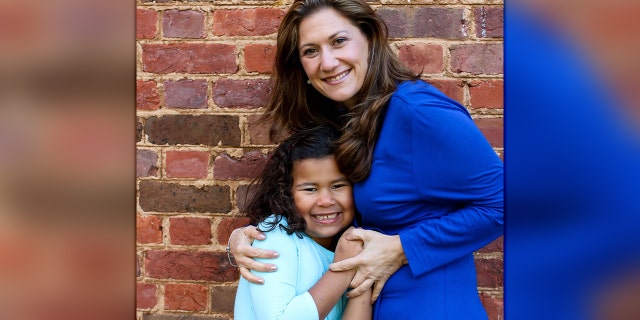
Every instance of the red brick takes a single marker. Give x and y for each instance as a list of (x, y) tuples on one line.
[(156, 196), (440, 22), (258, 132), (223, 298), (147, 95), (248, 167), (227, 225), (241, 93), (494, 246), (189, 58), (190, 231), (186, 94), (189, 265), (398, 21), (186, 297), (246, 22), (493, 130), (453, 89), (493, 305), (146, 163), (183, 24), (259, 57), (422, 58), (148, 229), (146, 24), (209, 130), (489, 22), (146, 296), (490, 273), (187, 164), (477, 58), (487, 94)]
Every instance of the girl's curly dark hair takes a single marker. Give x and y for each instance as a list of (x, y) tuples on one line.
[(270, 193)]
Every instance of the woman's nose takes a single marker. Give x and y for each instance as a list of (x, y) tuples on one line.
[(328, 60)]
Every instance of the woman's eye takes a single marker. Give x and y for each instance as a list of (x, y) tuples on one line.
[(340, 41), (309, 52)]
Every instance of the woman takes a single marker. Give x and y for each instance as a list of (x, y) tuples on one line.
[(303, 203), (427, 184)]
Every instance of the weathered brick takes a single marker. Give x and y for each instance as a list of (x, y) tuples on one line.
[(440, 22), (146, 163), (209, 130), (259, 57), (148, 229), (172, 197), (139, 129), (246, 22), (487, 93), (248, 167), (494, 246), (489, 22), (222, 298), (490, 273), (227, 225), (190, 231), (164, 316), (258, 132), (146, 296), (187, 164), (493, 305), (183, 24), (422, 58), (146, 24), (477, 58), (242, 195), (493, 130), (147, 95), (186, 93), (189, 58), (399, 21), (453, 89), (185, 297), (250, 94), (189, 265)]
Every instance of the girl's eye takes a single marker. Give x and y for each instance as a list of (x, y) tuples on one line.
[(310, 189), (338, 186)]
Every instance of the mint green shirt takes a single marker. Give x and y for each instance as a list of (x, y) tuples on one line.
[(284, 294)]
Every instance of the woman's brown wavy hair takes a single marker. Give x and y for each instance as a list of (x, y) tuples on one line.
[(295, 105)]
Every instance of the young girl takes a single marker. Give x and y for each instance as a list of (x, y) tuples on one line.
[(303, 203)]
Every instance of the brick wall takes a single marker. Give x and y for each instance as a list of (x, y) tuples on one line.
[(202, 75)]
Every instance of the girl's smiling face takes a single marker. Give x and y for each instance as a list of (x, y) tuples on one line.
[(323, 197)]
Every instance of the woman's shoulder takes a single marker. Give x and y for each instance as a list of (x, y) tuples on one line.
[(416, 94)]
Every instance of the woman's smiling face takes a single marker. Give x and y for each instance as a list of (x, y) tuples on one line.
[(334, 54)]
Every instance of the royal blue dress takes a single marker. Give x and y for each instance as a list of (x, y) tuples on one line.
[(436, 182)]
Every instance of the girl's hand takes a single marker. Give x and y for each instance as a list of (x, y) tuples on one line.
[(244, 254), (382, 256)]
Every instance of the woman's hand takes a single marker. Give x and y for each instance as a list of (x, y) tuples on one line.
[(244, 254), (382, 256)]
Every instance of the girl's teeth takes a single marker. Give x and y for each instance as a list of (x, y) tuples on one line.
[(327, 217)]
